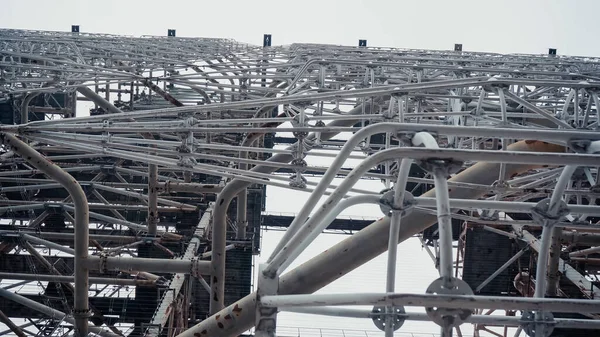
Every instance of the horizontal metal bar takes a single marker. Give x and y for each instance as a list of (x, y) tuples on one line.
[(433, 300)]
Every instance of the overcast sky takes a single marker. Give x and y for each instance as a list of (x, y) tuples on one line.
[(508, 26)]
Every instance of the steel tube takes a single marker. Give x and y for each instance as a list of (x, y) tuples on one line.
[(81, 306), (152, 199), (48, 244), (433, 300), (501, 269), (302, 240), (149, 265), (444, 224), (71, 279), (99, 100)]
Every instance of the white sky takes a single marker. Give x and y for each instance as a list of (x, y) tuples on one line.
[(509, 26)]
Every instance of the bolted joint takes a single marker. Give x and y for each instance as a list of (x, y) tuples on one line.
[(387, 204), (448, 316), (379, 315), (446, 166), (531, 325), (81, 313), (541, 212)]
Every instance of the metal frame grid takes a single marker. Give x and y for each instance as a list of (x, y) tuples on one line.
[(509, 143)]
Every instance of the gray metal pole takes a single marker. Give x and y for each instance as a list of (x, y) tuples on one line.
[(152, 199), (434, 300), (71, 279), (81, 307)]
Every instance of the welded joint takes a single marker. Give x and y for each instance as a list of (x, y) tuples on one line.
[(387, 204), (446, 166), (541, 215), (103, 265), (266, 317), (531, 324), (187, 162)]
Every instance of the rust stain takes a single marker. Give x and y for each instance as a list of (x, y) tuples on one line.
[(237, 309)]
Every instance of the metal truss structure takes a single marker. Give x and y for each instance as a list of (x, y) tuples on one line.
[(141, 217)]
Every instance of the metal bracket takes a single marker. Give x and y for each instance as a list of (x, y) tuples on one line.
[(530, 324), (432, 164), (380, 314), (445, 316), (386, 203), (540, 214)]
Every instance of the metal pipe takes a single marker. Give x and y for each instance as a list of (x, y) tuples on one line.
[(48, 244), (358, 248), (299, 242), (433, 300), (584, 252), (81, 307), (51, 312), (71, 279), (99, 100), (444, 224), (25, 106), (241, 219), (501, 269), (152, 199), (105, 263), (176, 186)]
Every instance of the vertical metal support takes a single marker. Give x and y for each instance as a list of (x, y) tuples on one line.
[(242, 221), (81, 307), (266, 317), (152, 198), (395, 223), (442, 196)]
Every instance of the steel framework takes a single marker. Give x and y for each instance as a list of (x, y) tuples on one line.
[(158, 189)]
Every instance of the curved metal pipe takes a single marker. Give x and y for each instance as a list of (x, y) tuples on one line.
[(25, 106), (81, 306)]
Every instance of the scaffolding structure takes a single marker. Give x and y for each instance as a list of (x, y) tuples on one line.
[(133, 173)]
